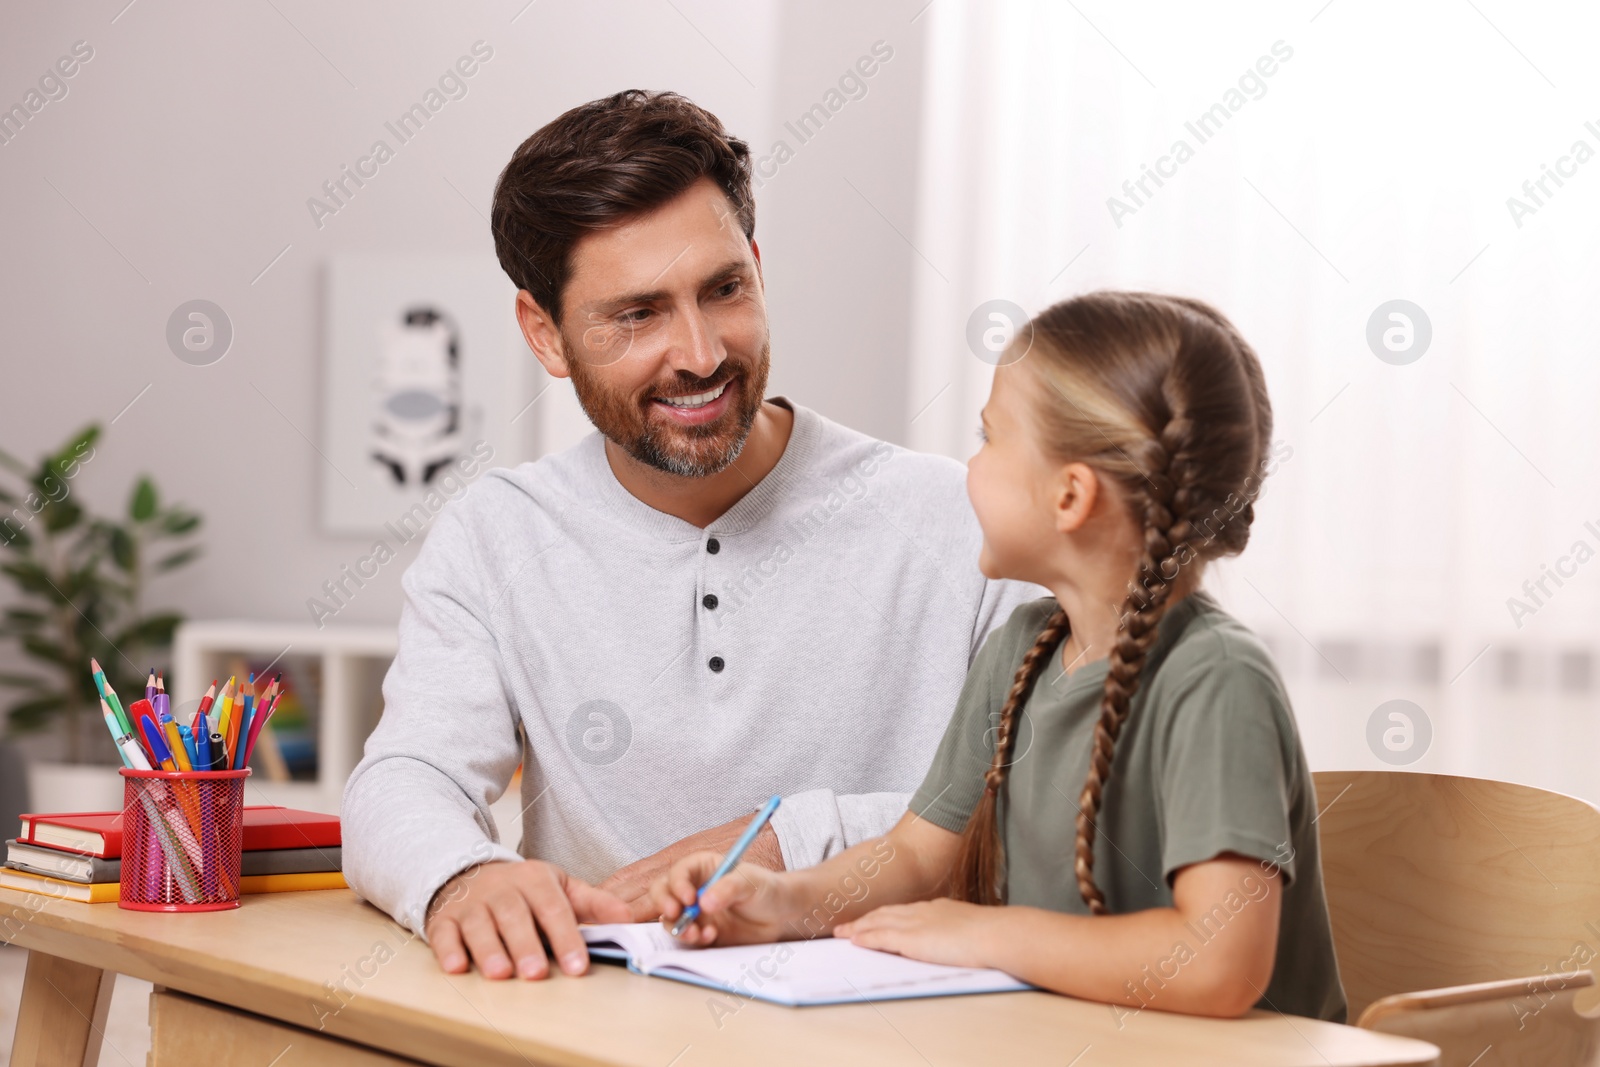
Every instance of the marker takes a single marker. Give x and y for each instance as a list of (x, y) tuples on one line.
[(219, 753), (160, 755), (132, 755), (140, 712), (174, 740), (186, 735), (692, 912)]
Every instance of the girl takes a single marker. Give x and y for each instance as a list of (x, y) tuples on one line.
[(1122, 769)]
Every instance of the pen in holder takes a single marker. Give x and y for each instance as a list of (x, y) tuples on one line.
[(182, 839)]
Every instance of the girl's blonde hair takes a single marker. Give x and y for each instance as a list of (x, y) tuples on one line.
[(1165, 400)]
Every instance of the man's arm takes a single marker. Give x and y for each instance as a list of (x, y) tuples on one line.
[(416, 809)]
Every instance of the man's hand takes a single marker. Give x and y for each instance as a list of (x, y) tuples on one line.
[(495, 911), (632, 883)]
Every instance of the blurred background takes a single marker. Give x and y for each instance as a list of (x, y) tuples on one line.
[(207, 257)]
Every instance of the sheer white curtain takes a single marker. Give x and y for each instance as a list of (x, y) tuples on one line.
[(1374, 162)]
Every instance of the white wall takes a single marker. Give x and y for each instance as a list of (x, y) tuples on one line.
[(179, 163)]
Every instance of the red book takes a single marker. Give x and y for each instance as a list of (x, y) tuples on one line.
[(99, 833)]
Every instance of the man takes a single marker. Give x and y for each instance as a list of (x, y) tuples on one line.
[(716, 597)]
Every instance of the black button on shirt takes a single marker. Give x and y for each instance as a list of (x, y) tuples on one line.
[(716, 663), (713, 546), (710, 601)]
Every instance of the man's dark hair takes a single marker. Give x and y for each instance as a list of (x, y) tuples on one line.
[(600, 164)]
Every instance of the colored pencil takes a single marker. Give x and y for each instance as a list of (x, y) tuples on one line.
[(109, 695), (257, 721)]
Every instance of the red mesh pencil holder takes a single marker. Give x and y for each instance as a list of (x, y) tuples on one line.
[(182, 839)]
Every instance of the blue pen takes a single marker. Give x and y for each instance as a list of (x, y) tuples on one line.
[(692, 912), (202, 741), (187, 734), (160, 754)]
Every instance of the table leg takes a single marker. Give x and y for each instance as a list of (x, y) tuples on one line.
[(62, 1017)]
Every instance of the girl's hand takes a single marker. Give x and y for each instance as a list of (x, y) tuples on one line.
[(748, 905), (937, 931)]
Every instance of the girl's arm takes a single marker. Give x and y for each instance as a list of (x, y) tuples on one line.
[(752, 904), (1211, 953)]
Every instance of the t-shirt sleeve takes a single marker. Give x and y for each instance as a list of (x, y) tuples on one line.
[(954, 782), (1224, 769)]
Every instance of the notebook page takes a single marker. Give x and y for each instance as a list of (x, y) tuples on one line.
[(633, 941), (826, 969)]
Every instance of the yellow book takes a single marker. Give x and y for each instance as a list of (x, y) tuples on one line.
[(45, 886), (292, 883), (110, 892)]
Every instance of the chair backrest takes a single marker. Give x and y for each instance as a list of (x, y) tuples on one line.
[(1436, 881)]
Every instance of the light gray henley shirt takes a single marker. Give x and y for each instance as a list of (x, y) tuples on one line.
[(655, 679)]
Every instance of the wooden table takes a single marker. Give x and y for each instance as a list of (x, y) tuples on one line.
[(316, 970)]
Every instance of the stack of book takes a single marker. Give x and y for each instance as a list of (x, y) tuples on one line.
[(78, 856)]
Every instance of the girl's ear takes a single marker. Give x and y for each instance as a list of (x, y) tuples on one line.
[(1077, 489)]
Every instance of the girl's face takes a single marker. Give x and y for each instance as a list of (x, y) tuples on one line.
[(1011, 483)]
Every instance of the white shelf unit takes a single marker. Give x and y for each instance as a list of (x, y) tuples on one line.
[(352, 660)]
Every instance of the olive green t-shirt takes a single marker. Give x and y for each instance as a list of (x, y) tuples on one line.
[(1208, 761)]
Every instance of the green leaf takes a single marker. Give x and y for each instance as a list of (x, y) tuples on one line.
[(20, 621), (14, 536), (22, 681), (33, 713), (76, 582), (152, 630), (73, 449), (61, 515), (179, 522), (178, 559), (32, 578), (142, 506), (122, 548), (49, 651)]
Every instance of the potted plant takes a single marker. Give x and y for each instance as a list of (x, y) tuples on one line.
[(81, 580)]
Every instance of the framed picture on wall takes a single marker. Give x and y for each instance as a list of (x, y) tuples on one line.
[(424, 374)]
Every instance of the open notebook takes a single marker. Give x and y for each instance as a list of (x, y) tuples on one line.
[(827, 970)]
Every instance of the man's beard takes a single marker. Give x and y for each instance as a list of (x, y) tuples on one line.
[(686, 451)]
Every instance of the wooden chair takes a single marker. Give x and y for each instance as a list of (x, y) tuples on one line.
[(1498, 1024), (1465, 912)]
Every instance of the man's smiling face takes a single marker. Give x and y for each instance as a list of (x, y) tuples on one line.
[(665, 333)]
